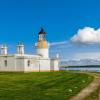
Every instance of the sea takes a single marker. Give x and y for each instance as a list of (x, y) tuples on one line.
[(86, 69)]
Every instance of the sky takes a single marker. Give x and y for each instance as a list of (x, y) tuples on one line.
[(21, 20)]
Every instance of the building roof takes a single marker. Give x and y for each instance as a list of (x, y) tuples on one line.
[(42, 31)]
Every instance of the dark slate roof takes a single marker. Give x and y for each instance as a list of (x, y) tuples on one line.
[(42, 31)]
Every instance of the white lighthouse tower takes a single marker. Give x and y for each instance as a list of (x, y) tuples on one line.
[(42, 44)]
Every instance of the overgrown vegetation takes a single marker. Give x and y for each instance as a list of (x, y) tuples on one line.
[(41, 85)]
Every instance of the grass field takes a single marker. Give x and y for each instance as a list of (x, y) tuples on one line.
[(41, 85)]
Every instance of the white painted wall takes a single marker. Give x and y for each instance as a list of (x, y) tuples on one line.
[(54, 64), (44, 52), (20, 63), (44, 64), (10, 63), (13, 63), (37, 65), (31, 66)]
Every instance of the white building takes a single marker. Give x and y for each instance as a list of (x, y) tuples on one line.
[(21, 62)]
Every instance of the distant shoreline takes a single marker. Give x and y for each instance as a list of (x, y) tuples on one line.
[(90, 66)]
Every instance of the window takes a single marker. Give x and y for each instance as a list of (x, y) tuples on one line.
[(28, 63), (5, 62)]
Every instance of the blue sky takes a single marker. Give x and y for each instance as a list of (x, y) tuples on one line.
[(20, 20)]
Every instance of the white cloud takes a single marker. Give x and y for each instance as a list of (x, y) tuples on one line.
[(58, 43), (87, 35)]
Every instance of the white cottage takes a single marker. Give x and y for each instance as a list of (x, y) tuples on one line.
[(22, 62)]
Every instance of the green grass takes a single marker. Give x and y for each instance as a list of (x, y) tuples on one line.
[(41, 85)]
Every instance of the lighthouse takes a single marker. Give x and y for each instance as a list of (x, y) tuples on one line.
[(42, 44), (23, 62)]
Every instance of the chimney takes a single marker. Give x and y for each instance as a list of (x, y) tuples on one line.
[(4, 49), (20, 48)]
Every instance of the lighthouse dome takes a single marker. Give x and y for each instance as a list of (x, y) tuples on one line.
[(42, 31)]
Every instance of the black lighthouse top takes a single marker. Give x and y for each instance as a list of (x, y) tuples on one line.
[(42, 35), (42, 31)]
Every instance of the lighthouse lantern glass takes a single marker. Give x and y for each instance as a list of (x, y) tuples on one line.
[(41, 37)]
